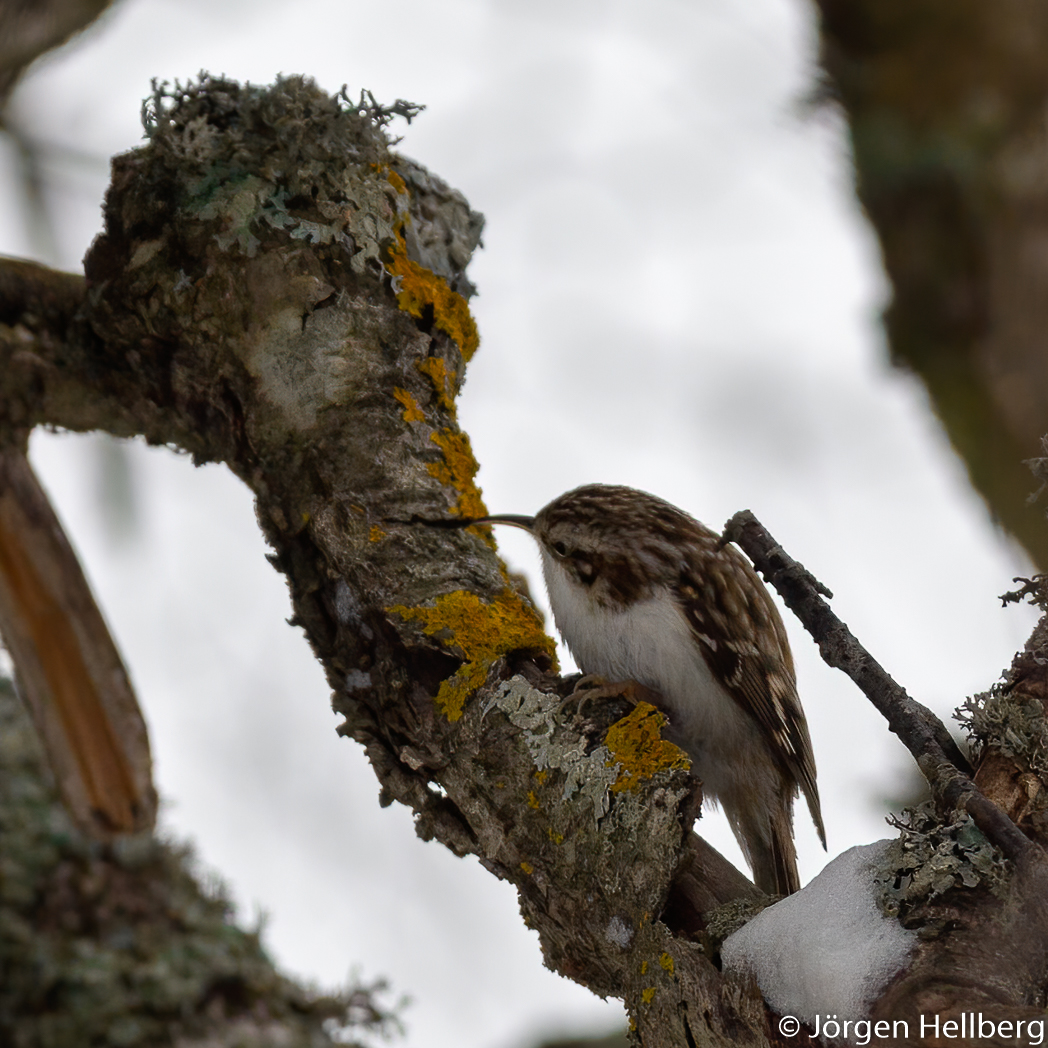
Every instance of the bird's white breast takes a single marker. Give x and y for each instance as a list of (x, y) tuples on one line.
[(651, 643)]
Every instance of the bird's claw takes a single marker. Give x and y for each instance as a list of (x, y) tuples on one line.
[(595, 688)]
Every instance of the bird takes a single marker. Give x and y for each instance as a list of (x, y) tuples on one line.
[(643, 592)]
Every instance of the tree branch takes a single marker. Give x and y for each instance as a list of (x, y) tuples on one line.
[(945, 105), (920, 731), (69, 669), (31, 29)]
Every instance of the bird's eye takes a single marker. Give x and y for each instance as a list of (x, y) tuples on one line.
[(560, 549)]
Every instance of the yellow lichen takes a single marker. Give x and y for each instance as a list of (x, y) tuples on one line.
[(437, 372), (396, 181), (643, 967), (459, 466), (648, 994), (482, 632), (533, 800), (419, 288), (457, 471), (376, 534), (412, 412), (541, 776), (636, 743), (667, 962), (527, 868), (557, 838)]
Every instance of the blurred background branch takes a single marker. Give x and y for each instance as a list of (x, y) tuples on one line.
[(132, 943), (70, 672), (33, 27), (947, 104)]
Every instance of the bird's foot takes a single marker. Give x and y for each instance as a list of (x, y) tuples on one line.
[(607, 701), (593, 687)]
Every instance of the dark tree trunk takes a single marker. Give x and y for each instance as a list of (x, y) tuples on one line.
[(946, 103)]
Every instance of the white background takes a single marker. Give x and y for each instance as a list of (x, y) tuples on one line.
[(678, 292)]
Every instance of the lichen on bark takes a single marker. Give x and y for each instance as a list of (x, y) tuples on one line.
[(119, 945)]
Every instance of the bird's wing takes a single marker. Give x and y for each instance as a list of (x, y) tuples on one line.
[(740, 633)]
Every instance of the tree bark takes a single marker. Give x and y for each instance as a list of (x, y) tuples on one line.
[(70, 672), (986, 952)]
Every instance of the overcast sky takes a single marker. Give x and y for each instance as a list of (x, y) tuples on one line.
[(677, 291)]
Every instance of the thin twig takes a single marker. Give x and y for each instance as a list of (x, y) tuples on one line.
[(921, 732)]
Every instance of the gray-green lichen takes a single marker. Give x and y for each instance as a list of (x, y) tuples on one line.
[(612, 822), (121, 947), (444, 231), (327, 176), (270, 234), (591, 775), (208, 127), (1010, 722), (240, 164), (931, 856), (725, 920)]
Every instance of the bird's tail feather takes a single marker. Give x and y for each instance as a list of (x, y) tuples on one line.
[(770, 850)]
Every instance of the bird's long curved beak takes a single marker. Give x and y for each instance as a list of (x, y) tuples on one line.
[(513, 519)]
